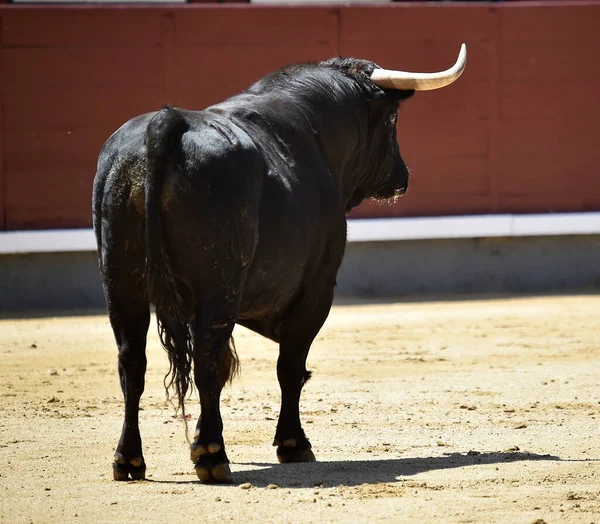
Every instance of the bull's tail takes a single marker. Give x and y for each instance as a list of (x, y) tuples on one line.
[(164, 291)]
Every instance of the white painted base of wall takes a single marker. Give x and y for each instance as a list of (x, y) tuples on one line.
[(475, 226), (359, 230)]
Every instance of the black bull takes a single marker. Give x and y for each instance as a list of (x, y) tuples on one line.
[(237, 214)]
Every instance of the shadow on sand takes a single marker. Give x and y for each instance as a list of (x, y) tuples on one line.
[(355, 473)]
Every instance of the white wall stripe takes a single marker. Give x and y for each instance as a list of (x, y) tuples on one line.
[(359, 230), (52, 241), (476, 226)]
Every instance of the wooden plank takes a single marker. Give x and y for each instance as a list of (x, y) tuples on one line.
[(406, 30), (75, 67), (49, 177), (551, 138), (422, 131), (549, 108), (256, 26), (58, 187), (2, 195), (549, 172), (549, 22), (90, 26), (557, 203), (541, 62), (2, 81), (231, 70), (551, 150), (557, 104), (39, 150), (494, 98), (54, 198), (70, 107), (25, 218), (450, 175)]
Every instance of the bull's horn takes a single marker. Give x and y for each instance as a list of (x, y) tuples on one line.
[(388, 79)]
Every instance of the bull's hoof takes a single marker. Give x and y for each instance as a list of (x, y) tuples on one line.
[(290, 451), (218, 474), (133, 469), (210, 463)]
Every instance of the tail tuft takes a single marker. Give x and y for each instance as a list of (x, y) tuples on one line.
[(230, 364)]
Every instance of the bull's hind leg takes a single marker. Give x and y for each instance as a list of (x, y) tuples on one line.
[(214, 363), (130, 327), (129, 314), (297, 334)]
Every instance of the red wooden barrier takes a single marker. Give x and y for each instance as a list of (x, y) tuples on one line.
[(2, 182), (517, 133)]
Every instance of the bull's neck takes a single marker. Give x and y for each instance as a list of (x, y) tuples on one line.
[(340, 142)]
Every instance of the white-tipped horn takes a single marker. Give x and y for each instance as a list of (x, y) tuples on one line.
[(388, 79)]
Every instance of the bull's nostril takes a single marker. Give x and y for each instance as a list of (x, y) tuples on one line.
[(399, 192)]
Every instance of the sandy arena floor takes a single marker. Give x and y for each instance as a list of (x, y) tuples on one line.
[(455, 411)]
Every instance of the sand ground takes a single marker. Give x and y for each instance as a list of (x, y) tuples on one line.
[(462, 410)]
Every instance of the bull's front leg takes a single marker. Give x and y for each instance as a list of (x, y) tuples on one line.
[(292, 444), (213, 365)]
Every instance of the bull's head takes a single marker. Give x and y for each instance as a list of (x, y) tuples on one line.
[(386, 176)]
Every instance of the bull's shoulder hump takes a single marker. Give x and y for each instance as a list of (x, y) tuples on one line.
[(211, 130)]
